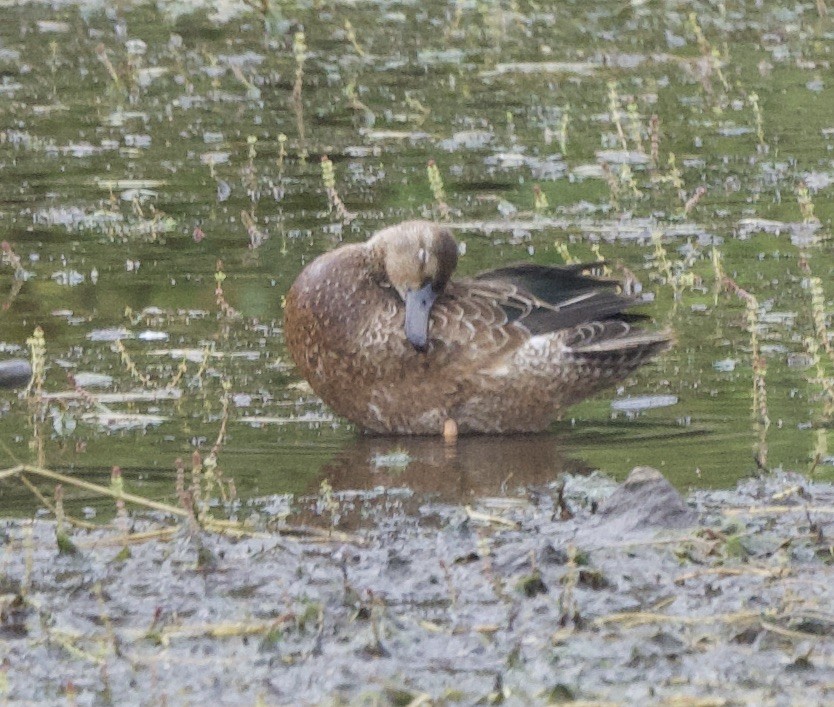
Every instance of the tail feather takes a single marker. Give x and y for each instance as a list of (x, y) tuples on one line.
[(634, 340), (607, 352)]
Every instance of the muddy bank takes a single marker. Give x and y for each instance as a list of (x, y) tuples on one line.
[(588, 591)]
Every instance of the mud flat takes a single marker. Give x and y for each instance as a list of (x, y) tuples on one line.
[(580, 590)]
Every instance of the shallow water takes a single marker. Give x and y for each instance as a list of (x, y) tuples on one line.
[(141, 146)]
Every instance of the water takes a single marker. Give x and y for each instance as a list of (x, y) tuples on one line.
[(141, 147)]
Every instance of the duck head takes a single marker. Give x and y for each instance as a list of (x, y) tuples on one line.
[(417, 258)]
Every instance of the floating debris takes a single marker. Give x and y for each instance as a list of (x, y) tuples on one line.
[(69, 278), (87, 379), (52, 26), (117, 421), (315, 418), (413, 136), (800, 233), (145, 396), (395, 459), (109, 334), (726, 365), (467, 140), (630, 157), (149, 335), (579, 68), (124, 184), (643, 402)]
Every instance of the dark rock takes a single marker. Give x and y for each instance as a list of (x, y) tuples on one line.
[(550, 555), (646, 500)]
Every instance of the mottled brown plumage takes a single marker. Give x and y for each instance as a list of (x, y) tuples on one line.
[(389, 341)]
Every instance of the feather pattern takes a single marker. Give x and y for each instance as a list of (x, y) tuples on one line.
[(507, 351)]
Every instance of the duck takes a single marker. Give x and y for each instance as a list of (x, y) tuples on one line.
[(388, 339)]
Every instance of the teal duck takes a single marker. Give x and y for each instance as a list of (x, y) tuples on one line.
[(388, 340)]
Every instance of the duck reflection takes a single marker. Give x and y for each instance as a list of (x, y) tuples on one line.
[(474, 467)]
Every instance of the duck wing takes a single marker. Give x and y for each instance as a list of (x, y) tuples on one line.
[(547, 298)]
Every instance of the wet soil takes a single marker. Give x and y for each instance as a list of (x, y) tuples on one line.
[(580, 589)]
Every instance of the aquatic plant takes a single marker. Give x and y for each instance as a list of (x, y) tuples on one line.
[(627, 179), (129, 364), (711, 57), (257, 236), (10, 258), (282, 155), (357, 105), (820, 341), (820, 450), (614, 113), (437, 190), (562, 249), (753, 100), (213, 476), (252, 91), (279, 189), (679, 273), (613, 186), (674, 176), (818, 314), (694, 200), (101, 53), (540, 202), (718, 273), (759, 364), (634, 127), (38, 409), (179, 372), (226, 310), (421, 111), (117, 493), (251, 183), (351, 36), (822, 379), (511, 134), (328, 176), (206, 476), (661, 258), (299, 50), (564, 123), (197, 378), (249, 173), (654, 141), (620, 177), (37, 352), (806, 203)]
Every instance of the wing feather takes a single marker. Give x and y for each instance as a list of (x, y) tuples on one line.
[(548, 298)]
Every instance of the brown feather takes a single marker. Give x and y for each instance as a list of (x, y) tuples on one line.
[(507, 351)]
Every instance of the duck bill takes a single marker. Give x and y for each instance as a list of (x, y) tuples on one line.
[(418, 304)]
